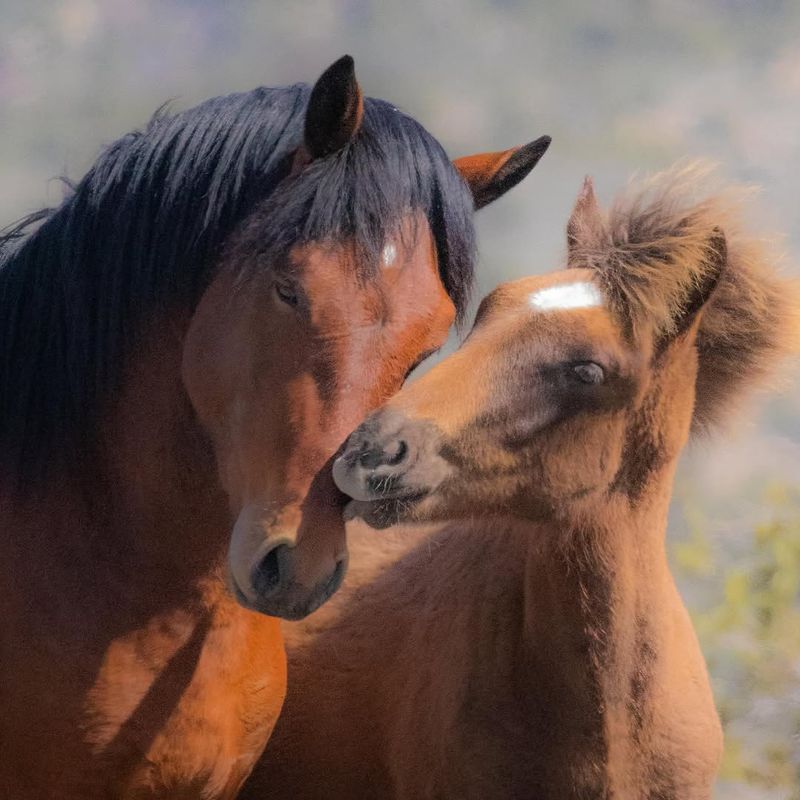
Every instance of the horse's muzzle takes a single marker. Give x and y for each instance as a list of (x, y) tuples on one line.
[(266, 571)]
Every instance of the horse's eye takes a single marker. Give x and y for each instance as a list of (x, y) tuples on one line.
[(588, 372), (287, 293)]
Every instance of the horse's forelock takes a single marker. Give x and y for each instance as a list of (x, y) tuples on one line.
[(143, 230), (365, 193)]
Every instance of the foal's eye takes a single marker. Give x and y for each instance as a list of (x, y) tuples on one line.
[(287, 293), (588, 372)]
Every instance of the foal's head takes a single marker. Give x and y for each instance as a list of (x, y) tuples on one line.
[(583, 385)]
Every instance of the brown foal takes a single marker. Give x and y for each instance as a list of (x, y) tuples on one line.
[(538, 648)]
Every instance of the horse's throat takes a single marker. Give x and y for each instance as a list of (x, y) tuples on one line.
[(157, 473), (163, 710)]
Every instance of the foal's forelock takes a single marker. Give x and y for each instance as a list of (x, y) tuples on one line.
[(658, 243)]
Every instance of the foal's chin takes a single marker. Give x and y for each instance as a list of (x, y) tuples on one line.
[(388, 511)]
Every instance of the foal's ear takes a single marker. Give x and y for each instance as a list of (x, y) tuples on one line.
[(335, 110), (707, 279), (585, 228), (491, 175)]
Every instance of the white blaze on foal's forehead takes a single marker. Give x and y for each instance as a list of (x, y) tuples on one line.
[(581, 294), (389, 255)]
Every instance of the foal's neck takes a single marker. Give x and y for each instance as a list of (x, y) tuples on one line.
[(596, 599), (600, 576)]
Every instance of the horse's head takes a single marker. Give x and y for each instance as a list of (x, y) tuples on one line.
[(580, 384), (328, 295)]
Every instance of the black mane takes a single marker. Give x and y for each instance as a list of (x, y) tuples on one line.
[(142, 231)]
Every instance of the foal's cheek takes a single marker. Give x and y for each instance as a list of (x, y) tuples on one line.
[(594, 453)]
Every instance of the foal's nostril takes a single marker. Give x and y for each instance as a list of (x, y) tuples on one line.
[(401, 451), (376, 456), (266, 576), (371, 457)]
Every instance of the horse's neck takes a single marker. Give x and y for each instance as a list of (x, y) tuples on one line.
[(144, 512), (160, 467)]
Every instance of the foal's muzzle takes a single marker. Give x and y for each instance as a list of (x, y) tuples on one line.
[(389, 458)]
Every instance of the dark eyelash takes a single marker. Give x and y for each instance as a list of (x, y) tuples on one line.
[(588, 372)]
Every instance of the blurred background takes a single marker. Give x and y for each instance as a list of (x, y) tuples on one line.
[(622, 86)]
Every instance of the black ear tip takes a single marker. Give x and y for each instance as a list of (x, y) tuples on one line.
[(537, 148), (531, 153), (344, 67), (542, 143)]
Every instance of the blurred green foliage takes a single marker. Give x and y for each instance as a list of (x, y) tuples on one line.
[(749, 628)]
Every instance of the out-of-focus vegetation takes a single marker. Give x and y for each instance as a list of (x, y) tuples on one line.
[(621, 85), (748, 622)]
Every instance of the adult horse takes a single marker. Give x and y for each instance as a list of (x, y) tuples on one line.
[(540, 648), (186, 341)]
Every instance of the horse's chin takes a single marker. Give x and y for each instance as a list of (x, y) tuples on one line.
[(293, 604), (388, 511)]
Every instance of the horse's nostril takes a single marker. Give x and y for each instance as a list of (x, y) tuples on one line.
[(266, 574)]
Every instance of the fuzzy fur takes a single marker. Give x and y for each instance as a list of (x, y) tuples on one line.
[(656, 244)]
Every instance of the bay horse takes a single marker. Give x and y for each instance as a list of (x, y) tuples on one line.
[(534, 646), (186, 341)]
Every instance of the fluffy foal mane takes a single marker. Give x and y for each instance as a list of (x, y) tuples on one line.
[(658, 243), (138, 237)]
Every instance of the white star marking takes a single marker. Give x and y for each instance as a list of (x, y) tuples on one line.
[(389, 255), (566, 296)]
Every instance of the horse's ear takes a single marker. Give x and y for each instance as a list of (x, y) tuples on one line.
[(706, 282), (585, 227), (491, 175), (335, 110)]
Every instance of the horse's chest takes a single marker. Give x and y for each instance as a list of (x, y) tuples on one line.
[(184, 706)]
